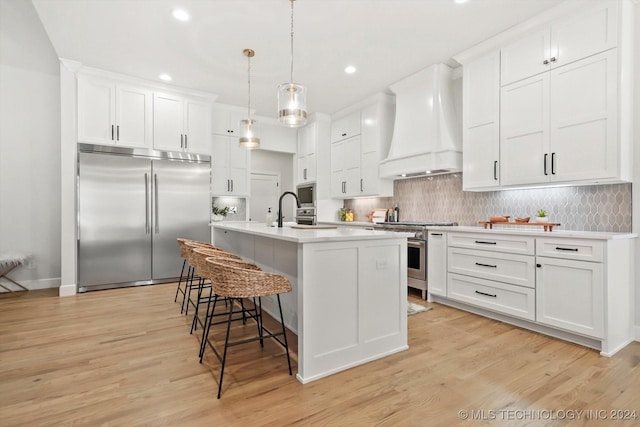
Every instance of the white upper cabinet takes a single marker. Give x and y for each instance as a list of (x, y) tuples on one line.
[(360, 139), (181, 124), (583, 34), (565, 103), (226, 121), (481, 123), (524, 141), (115, 113), (230, 163), (307, 161), (346, 127), (229, 167), (562, 126)]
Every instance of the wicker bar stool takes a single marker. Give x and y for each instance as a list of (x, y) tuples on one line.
[(210, 312), (198, 256), (184, 255), (191, 278), (238, 280)]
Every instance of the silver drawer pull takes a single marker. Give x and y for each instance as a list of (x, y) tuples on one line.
[(487, 295), (436, 234), (482, 242), (558, 248), (486, 265)]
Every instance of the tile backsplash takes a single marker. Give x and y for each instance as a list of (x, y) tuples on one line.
[(440, 198)]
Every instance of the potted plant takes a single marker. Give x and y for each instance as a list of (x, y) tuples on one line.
[(541, 216), (219, 213)]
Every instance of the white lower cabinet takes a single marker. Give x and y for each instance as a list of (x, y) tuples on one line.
[(572, 288), (437, 263), (513, 300), (570, 295)]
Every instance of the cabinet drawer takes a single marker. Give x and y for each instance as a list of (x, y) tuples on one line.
[(493, 242), (583, 250), (501, 297), (509, 268)]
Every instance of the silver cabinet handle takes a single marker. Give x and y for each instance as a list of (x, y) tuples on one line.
[(553, 163), (231, 186), (545, 163), (482, 242), (344, 134), (181, 141), (545, 62), (553, 59), (155, 178), (186, 141), (361, 187), (304, 173), (436, 234), (146, 203), (112, 132), (495, 170), (228, 185), (118, 133)]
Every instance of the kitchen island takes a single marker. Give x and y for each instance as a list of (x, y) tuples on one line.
[(348, 303)]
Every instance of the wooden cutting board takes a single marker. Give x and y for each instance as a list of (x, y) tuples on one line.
[(304, 226)]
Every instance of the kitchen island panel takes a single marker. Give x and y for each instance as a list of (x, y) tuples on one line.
[(348, 304)]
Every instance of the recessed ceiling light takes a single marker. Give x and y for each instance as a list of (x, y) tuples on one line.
[(350, 69), (165, 77), (181, 15), (460, 1)]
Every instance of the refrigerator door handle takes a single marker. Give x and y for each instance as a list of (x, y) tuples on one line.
[(146, 203), (155, 184)]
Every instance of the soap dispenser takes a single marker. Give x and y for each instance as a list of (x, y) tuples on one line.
[(269, 219)]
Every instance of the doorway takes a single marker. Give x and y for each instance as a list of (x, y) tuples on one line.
[(265, 188)]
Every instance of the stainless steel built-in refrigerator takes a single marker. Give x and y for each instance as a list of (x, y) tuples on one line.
[(132, 205)]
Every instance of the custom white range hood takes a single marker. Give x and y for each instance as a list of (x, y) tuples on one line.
[(426, 136)]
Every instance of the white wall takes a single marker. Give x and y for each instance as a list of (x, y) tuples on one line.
[(29, 145)]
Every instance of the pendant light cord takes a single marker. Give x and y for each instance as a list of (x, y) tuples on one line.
[(292, 41), (249, 86)]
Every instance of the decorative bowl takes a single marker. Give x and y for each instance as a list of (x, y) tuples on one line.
[(504, 218), (523, 220)]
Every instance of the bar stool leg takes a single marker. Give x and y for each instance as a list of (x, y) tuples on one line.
[(207, 328), (186, 285), (226, 342), (284, 333), (260, 321), (194, 324), (184, 262)]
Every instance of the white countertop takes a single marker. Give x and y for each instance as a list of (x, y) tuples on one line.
[(308, 235), (539, 232)]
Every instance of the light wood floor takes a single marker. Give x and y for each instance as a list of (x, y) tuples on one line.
[(125, 358)]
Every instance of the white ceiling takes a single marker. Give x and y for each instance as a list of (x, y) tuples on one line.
[(386, 40)]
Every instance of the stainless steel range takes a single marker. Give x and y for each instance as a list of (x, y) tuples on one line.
[(416, 249)]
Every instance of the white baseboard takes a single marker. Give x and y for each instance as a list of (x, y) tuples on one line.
[(32, 285), (636, 333), (67, 290)]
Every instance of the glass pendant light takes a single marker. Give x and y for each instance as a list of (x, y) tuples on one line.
[(292, 97), (248, 137)]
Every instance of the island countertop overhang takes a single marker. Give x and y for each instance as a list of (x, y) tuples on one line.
[(308, 235)]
